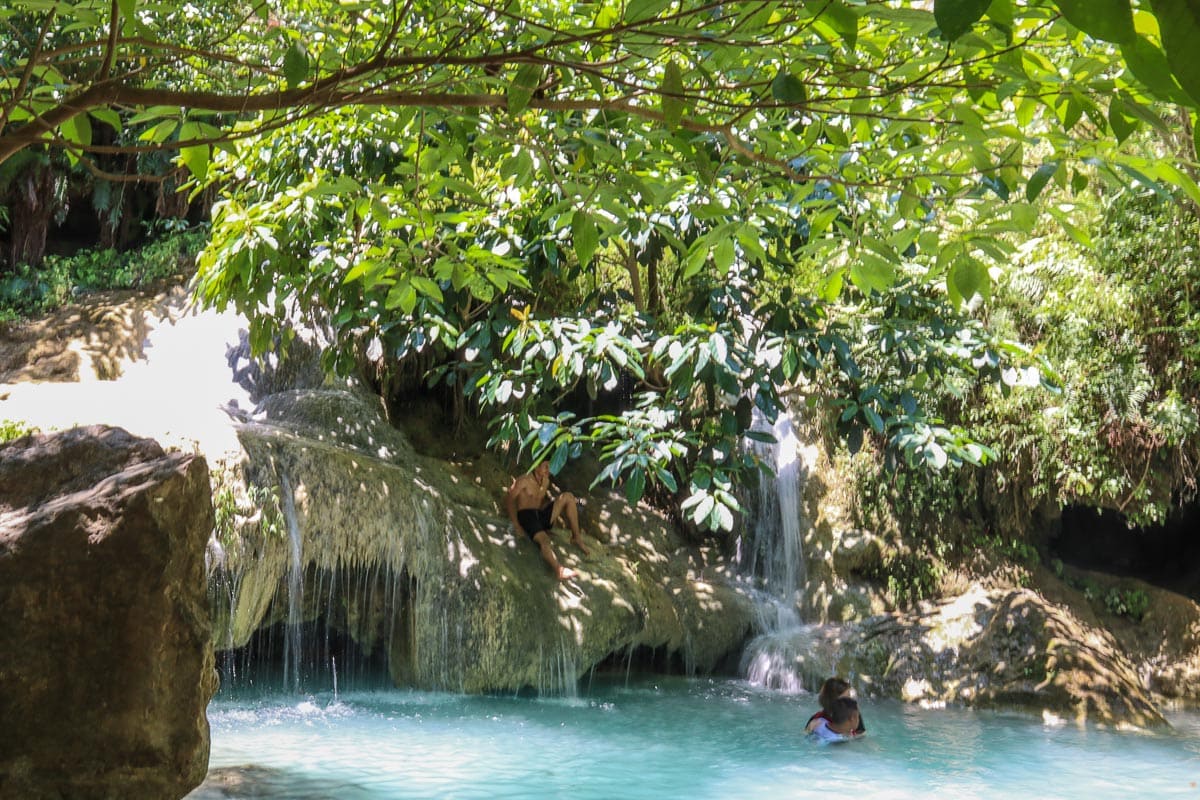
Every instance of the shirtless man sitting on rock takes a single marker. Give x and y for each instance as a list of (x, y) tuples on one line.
[(533, 514)]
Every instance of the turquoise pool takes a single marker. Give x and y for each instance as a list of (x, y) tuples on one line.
[(666, 737)]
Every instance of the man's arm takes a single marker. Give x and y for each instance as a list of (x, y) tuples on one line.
[(510, 504)]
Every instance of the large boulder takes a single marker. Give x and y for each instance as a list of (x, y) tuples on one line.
[(424, 563), (107, 661), (1000, 649)]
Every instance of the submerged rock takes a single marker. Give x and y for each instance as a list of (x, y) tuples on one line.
[(107, 663)]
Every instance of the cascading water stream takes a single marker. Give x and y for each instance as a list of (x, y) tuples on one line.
[(774, 560), (293, 638), (775, 553)]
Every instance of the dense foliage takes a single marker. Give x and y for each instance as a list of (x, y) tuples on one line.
[(682, 210), (28, 291), (1120, 431)]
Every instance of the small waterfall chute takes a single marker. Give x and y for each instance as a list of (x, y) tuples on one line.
[(786, 653), (293, 638)]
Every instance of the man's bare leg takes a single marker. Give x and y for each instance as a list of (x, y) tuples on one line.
[(566, 503), (542, 539)]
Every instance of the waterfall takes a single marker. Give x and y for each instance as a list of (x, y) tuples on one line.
[(780, 655), (772, 558), (775, 554), (293, 639)]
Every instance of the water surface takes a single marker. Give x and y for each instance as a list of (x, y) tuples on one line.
[(667, 737)]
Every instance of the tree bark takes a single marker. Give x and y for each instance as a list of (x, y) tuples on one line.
[(34, 203)]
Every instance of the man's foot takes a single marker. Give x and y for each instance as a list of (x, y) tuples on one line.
[(578, 542), (566, 573)]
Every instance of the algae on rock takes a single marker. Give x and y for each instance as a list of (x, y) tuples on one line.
[(461, 603)]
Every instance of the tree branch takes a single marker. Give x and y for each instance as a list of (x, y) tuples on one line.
[(26, 74), (110, 48)]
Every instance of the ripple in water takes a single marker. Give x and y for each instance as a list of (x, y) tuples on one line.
[(669, 737)]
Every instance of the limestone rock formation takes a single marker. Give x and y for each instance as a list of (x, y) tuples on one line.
[(107, 662), (454, 597), (1000, 649)]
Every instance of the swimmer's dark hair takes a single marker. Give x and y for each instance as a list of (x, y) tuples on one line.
[(842, 709), (831, 690)]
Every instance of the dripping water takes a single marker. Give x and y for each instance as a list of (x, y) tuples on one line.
[(293, 637)]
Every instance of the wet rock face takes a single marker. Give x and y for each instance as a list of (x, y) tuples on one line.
[(456, 600), (1001, 649), (106, 665)]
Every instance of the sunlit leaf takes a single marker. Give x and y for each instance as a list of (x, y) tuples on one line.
[(196, 159), (295, 65), (970, 278), (585, 235), (671, 92), (1181, 40)]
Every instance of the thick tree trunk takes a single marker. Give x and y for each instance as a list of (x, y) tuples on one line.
[(34, 203)]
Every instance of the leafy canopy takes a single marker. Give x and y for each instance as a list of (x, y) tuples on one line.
[(693, 205)]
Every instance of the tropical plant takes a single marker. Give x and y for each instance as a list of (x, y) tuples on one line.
[(712, 201)]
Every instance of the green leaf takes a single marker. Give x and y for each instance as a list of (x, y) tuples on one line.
[(1109, 20), (196, 159), (1041, 176), (1165, 170), (127, 7), (955, 17), (640, 10), (1069, 110), (1001, 12), (1196, 132), (1179, 22), (635, 485), (831, 288), (840, 17), (1073, 230), (520, 91), (1024, 216), (787, 88), (427, 287), (559, 459), (723, 255), (160, 132), (402, 296), (722, 518), (109, 117), (697, 257), (1122, 121), (970, 277), (585, 235), (870, 273), (77, 130), (295, 65), (153, 113), (1148, 63), (671, 92)]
